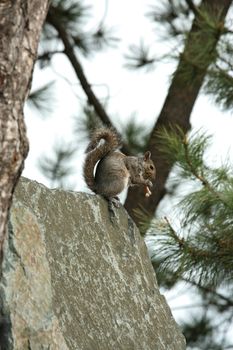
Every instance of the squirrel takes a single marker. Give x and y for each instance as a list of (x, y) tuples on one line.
[(115, 171)]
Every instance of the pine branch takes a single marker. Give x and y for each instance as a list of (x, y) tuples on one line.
[(103, 37), (173, 16), (208, 289), (181, 242), (184, 246), (188, 155), (219, 85), (199, 176), (69, 51), (139, 57), (46, 56), (40, 98), (201, 256), (70, 13)]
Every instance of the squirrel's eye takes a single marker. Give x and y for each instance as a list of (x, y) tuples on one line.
[(151, 167)]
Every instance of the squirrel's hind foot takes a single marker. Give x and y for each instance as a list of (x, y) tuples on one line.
[(116, 202), (113, 202)]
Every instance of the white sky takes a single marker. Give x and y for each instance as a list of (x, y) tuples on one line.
[(130, 91)]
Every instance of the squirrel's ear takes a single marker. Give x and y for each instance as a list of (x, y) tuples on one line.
[(147, 155)]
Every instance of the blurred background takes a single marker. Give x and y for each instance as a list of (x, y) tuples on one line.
[(160, 72)]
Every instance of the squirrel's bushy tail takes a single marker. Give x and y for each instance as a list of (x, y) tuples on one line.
[(96, 152)]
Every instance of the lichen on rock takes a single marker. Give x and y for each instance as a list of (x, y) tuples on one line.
[(74, 280)]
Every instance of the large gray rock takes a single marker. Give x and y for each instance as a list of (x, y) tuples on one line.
[(74, 280)]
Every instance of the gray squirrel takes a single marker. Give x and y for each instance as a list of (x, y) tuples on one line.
[(115, 171)]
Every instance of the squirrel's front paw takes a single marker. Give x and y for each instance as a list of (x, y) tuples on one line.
[(149, 183)]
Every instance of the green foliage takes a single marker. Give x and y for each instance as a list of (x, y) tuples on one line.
[(104, 37), (73, 17), (41, 98), (219, 85), (70, 13), (97, 40), (188, 154), (219, 81), (166, 279), (202, 250), (139, 57), (196, 245), (173, 21), (173, 16)]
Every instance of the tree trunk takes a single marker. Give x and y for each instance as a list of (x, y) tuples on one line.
[(20, 26), (176, 110)]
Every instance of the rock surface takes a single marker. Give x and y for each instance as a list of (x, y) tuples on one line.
[(74, 280)]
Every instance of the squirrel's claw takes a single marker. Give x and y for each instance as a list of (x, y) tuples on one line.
[(149, 183)]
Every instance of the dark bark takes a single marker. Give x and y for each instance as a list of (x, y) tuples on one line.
[(20, 26), (176, 110)]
